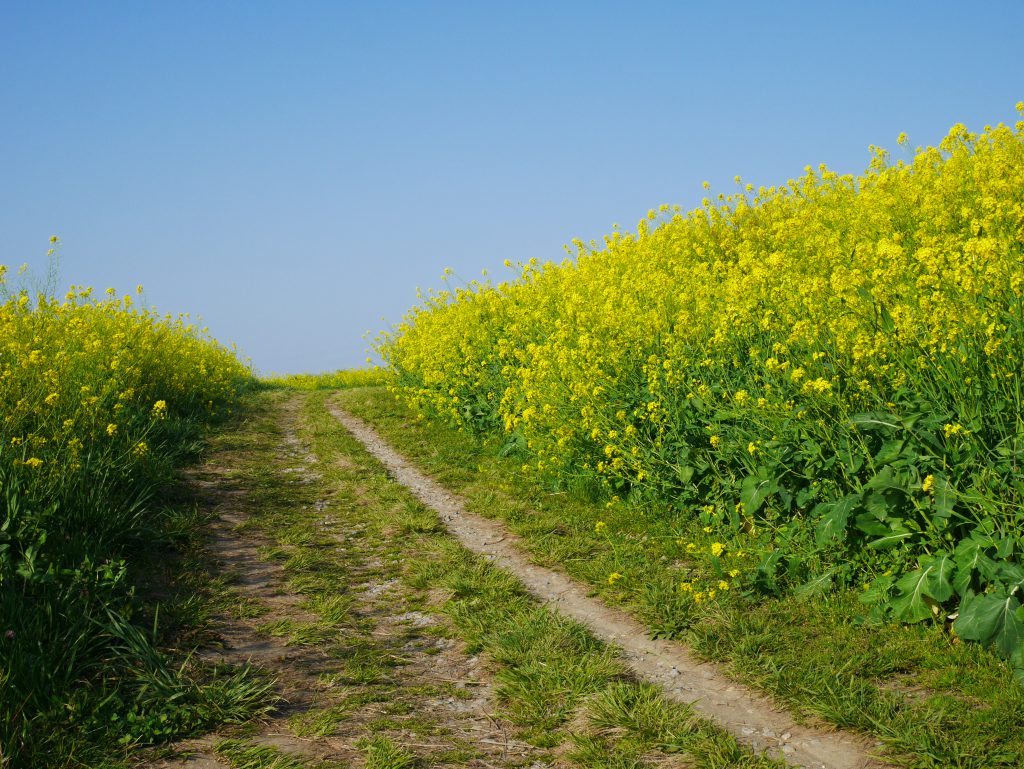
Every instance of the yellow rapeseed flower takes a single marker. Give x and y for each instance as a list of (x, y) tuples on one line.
[(953, 429)]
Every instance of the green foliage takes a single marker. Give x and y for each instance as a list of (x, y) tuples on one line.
[(100, 402), (833, 364), (934, 702)]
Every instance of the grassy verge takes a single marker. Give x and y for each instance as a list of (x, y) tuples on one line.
[(101, 402), (934, 701), (391, 599), (132, 679)]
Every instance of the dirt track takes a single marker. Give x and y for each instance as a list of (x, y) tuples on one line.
[(751, 717)]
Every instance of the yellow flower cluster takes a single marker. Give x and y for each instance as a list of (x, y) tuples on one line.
[(84, 379), (368, 377), (788, 305)]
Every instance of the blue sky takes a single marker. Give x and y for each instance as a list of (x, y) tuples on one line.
[(293, 171)]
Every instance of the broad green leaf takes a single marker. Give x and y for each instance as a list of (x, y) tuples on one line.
[(970, 558), (1005, 546), (910, 605), (850, 456), (940, 583), (815, 586), (875, 420), (883, 479), (1011, 575), (992, 618), (754, 492), (869, 524), (890, 451), (833, 524), (889, 540), (945, 496)]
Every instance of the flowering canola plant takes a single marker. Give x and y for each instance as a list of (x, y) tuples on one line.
[(98, 397), (834, 362)]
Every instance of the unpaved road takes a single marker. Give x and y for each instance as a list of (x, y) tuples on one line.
[(322, 549), (748, 715)]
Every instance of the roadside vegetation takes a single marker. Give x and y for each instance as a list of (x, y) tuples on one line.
[(932, 700), (403, 649), (329, 381), (101, 401), (810, 390)]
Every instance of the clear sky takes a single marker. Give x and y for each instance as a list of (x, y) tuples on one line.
[(292, 171)]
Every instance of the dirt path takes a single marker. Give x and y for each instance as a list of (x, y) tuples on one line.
[(751, 717), (368, 672)]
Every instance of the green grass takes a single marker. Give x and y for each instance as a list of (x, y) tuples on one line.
[(548, 667), (933, 701), (243, 754), (382, 753), (554, 683)]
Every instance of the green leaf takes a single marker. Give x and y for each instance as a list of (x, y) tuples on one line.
[(910, 605), (877, 591), (754, 491), (885, 319), (815, 586), (849, 456), (833, 524), (889, 540), (875, 420), (870, 524), (970, 558), (883, 479), (1018, 659), (992, 618), (1011, 575), (890, 451), (945, 496), (940, 584)]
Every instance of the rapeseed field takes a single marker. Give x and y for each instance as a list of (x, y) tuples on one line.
[(826, 373), (99, 400), (334, 380)]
